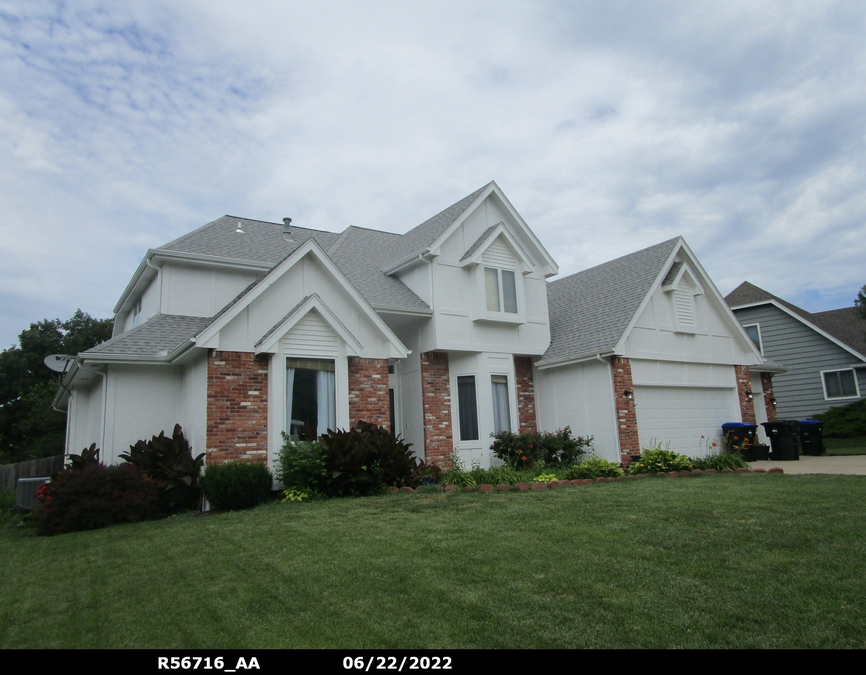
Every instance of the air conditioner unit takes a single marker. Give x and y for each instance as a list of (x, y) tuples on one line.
[(25, 492)]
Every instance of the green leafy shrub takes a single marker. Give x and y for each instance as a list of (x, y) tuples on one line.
[(361, 461), (7, 499), (88, 456), (719, 461), (427, 473), (236, 485), (656, 460), (170, 461), (302, 465), (593, 467), (528, 449), (844, 421), (96, 496), (475, 476)]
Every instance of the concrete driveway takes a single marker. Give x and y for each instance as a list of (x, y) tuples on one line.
[(852, 464)]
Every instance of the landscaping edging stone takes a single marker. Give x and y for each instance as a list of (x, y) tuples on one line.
[(523, 487)]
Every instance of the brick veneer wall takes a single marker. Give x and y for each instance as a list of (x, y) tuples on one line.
[(744, 384), (626, 417), (525, 394), (237, 407), (368, 391), (767, 386), (436, 397)]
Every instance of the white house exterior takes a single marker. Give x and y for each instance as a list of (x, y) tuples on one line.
[(243, 329)]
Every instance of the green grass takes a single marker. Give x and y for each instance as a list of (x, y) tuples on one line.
[(845, 446), (741, 561)]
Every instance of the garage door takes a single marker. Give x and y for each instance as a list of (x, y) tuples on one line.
[(682, 415)]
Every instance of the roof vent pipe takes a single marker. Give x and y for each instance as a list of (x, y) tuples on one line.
[(287, 229)]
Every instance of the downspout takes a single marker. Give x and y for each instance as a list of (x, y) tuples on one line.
[(159, 280), (104, 402)]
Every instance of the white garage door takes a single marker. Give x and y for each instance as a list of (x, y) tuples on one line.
[(682, 415)]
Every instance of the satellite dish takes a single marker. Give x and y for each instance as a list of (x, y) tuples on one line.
[(59, 363)]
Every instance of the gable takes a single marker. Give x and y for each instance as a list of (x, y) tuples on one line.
[(311, 336), (308, 272), (685, 318)]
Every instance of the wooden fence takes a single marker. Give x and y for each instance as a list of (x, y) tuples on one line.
[(10, 473)]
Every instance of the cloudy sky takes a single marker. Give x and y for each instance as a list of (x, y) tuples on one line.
[(610, 125)]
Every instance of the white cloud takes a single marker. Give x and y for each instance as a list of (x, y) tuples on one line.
[(610, 125)]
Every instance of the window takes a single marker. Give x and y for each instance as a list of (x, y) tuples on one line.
[(501, 289), (467, 408), (136, 314), (501, 413), (754, 332), (840, 384), (310, 398)]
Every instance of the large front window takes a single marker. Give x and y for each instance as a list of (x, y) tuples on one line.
[(501, 289), (310, 398)]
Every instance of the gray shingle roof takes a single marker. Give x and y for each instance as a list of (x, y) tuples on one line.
[(419, 238), (590, 310), (152, 339), (843, 324), (479, 241), (261, 241), (357, 252)]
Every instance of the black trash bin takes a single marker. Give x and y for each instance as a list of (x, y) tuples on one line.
[(812, 437), (740, 436), (783, 439)]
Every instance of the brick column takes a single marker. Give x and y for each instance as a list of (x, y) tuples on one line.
[(767, 386), (629, 443), (368, 391), (237, 407), (436, 397), (744, 384), (525, 394)]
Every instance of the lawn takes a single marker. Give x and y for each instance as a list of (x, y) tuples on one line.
[(845, 446), (727, 561)]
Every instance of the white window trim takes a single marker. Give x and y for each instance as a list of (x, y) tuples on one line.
[(840, 398), (512, 395), (483, 314), (760, 344)]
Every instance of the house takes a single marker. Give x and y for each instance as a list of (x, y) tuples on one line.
[(825, 352), (242, 330)]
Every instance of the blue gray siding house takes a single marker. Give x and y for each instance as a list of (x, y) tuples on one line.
[(824, 352)]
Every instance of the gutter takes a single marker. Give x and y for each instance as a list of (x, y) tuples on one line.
[(569, 360), (406, 262)]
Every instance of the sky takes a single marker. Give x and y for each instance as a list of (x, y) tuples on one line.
[(611, 126)]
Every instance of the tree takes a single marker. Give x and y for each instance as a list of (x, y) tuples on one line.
[(29, 426), (860, 303)]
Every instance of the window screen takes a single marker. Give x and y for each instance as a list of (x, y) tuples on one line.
[(467, 408)]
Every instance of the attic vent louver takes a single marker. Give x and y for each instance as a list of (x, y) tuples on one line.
[(287, 229)]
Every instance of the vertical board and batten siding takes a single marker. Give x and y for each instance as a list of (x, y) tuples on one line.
[(313, 337), (499, 254), (799, 392)]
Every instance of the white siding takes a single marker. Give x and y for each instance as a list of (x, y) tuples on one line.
[(312, 337), (579, 396)]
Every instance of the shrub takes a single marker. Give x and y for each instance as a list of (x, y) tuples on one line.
[(88, 456), (475, 476), (719, 461), (360, 461), (96, 496), (170, 461), (236, 485), (593, 467), (527, 449), (7, 499), (845, 421), (655, 460), (302, 466)]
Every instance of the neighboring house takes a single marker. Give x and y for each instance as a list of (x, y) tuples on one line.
[(825, 352), (242, 330)]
